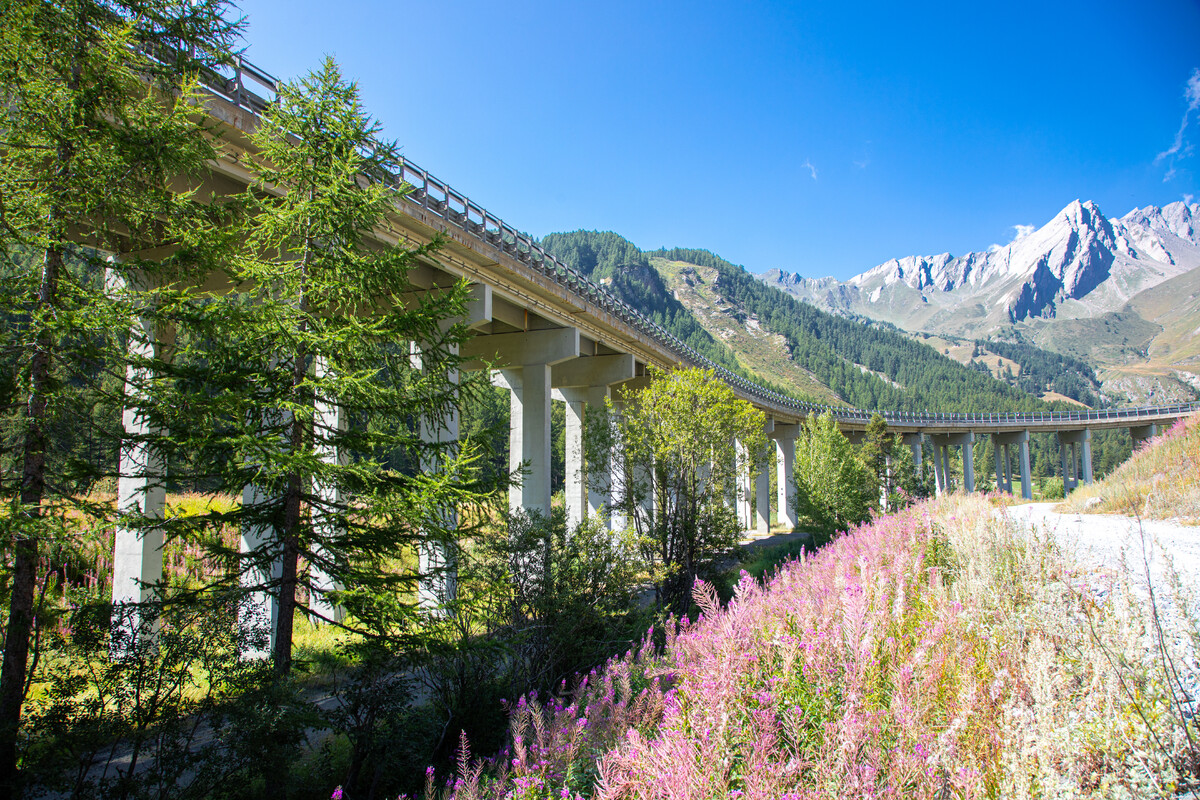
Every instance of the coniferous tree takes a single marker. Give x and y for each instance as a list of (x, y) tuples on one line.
[(97, 122), (328, 358)]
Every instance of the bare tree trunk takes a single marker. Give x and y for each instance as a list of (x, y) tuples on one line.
[(25, 548)]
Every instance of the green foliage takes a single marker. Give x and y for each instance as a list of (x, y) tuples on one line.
[(1045, 371), (681, 465), (317, 392), (834, 487), (160, 687), (97, 134), (615, 261)]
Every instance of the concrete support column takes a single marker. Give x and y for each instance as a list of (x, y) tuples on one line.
[(913, 440), (137, 551), (1078, 458), (968, 462), (998, 456), (1021, 439), (745, 496), (524, 359), (762, 501), (263, 605), (330, 419), (599, 466), (575, 485), (785, 474), (583, 385), (939, 469), (617, 470), (942, 443), (529, 436), (437, 563), (1142, 433), (1026, 473)]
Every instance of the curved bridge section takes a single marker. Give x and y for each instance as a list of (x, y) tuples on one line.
[(549, 332)]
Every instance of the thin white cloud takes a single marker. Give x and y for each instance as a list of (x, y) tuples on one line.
[(862, 164), (1021, 232), (1181, 148), (808, 165), (1187, 199)]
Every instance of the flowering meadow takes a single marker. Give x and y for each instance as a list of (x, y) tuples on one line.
[(940, 652)]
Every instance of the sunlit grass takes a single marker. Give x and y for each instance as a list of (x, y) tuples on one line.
[(1160, 481)]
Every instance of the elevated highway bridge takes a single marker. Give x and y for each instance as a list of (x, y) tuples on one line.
[(551, 332)]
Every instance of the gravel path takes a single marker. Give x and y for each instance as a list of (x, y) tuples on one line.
[(1115, 543), (1103, 538)]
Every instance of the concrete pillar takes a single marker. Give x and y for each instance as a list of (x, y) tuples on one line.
[(1001, 470), (762, 504), (262, 611), (968, 463), (330, 419), (1142, 433), (437, 565), (575, 485), (525, 359), (745, 496), (942, 443), (619, 478), (1079, 458), (785, 477), (1020, 438), (529, 436), (1026, 473), (913, 440), (583, 384), (137, 550), (939, 470), (599, 465)]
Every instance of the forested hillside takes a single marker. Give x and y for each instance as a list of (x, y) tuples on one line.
[(869, 366), (1045, 371)]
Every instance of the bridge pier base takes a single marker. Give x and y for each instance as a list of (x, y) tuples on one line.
[(1002, 442), (785, 473), (942, 442), (1076, 448)]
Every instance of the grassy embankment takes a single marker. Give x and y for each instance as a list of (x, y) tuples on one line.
[(941, 652), (1160, 481)]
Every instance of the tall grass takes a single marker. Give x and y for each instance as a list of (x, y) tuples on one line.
[(941, 652), (1160, 481)]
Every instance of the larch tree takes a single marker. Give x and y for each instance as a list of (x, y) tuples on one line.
[(308, 381), (97, 121)]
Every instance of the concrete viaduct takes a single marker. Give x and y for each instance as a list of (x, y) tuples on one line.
[(550, 332)]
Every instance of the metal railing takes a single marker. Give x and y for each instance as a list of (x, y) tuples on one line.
[(422, 189)]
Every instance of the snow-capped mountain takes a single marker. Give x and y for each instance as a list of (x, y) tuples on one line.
[(1080, 264)]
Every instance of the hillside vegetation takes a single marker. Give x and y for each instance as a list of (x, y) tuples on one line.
[(1160, 481), (942, 652)]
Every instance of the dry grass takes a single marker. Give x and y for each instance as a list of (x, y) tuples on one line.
[(1160, 481)]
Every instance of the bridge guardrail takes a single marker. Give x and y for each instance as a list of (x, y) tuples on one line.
[(423, 189)]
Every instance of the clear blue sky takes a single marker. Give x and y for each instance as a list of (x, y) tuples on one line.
[(818, 137)]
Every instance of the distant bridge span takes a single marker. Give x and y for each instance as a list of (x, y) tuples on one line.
[(553, 332)]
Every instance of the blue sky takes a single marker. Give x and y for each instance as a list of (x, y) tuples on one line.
[(822, 138)]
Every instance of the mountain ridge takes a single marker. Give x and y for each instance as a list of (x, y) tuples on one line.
[(1070, 286)]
